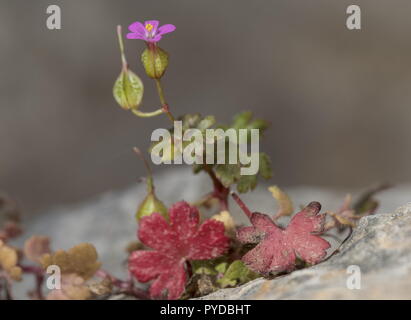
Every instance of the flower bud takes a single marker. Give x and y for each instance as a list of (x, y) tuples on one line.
[(128, 90), (155, 61)]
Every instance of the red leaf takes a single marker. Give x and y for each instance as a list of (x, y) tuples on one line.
[(173, 245), (277, 248)]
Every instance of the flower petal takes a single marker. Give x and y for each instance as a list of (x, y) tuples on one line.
[(137, 27), (156, 233), (209, 242), (157, 38), (154, 23), (170, 284), (146, 265), (136, 36), (167, 28)]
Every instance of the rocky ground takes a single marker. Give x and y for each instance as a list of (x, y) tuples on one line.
[(381, 245), (380, 248)]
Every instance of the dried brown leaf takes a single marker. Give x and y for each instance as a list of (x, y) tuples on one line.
[(8, 261), (228, 221), (284, 202), (81, 260)]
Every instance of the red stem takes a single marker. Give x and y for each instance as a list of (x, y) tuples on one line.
[(241, 204), (220, 192), (126, 287), (39, 275)]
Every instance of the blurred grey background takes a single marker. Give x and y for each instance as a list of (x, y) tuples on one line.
[(338, 100)]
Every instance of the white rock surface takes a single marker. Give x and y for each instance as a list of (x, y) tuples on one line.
[(380, 248)]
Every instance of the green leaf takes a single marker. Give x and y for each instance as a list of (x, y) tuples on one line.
[(221, 267), (206, 123), (247, 183), (244, 120), (241, 119), (197, 168), (208, 267), (265, 166), (227, 173), (203, 267), (258, 124), (190, 120), (128, 90), (236, 274)]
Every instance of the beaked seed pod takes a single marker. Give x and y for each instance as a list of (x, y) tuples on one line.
[(128, 90), (150, 205), (155, 61)]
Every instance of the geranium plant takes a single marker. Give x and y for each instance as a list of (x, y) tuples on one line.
[(179, 252)]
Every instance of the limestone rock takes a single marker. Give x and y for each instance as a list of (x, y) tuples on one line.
[(380, 246)]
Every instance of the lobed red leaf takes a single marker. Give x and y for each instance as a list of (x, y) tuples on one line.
[(278, 248), (173, 245)]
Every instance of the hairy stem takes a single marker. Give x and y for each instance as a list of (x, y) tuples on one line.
[(147, 114), (241, 204), (164, 104), (121, 45), (220, 192)]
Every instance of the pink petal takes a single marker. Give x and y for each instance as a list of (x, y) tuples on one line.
[(167, 28), (135, 36), (170, 284), (210, 241), (157, 38), (147, 265), (156, 233), (154, 23), (137, 27)]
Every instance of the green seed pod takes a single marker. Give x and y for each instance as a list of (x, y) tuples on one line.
[(128, 90), (150, 205), (155, 61)]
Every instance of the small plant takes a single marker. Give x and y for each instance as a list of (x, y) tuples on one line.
[(183, 254)]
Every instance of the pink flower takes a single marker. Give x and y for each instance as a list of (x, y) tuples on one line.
[(150, 31)]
